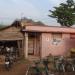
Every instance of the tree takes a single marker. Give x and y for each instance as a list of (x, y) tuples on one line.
[(65, 13), (2, 26)]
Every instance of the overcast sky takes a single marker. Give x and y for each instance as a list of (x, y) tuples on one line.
[(33, 9)]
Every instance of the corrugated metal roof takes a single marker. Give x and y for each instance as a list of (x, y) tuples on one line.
[(49, 29)]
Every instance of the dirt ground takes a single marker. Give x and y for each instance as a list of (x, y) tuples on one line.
[(18, 68), (66, 73)]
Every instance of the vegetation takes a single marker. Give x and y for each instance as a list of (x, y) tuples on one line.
[(51, 65), (65, 13), (2, 26)]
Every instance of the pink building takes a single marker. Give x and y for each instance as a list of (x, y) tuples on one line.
[(39, 40), (49, 40)]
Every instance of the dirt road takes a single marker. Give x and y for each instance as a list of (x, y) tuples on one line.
[(17, 69), (21, 68)]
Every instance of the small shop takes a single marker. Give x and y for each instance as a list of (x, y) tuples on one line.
[(11, 43)]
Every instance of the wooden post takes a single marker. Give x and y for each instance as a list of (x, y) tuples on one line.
[(26, 45), (20, 47), (35, 45), (18, 43)]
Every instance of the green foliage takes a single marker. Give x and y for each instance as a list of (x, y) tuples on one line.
[(2, 26), (65, 13)]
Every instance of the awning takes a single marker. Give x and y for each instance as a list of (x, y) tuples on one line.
[(11, 36)]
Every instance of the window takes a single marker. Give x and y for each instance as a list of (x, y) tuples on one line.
[(72, 36), (57, 36)]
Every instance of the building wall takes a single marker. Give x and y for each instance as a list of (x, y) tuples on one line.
[(62, 48)]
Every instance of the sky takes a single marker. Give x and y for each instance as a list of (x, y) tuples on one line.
[(37, 10)]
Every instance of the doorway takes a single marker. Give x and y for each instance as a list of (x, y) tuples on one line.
[(31, 46), (34, 44)]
